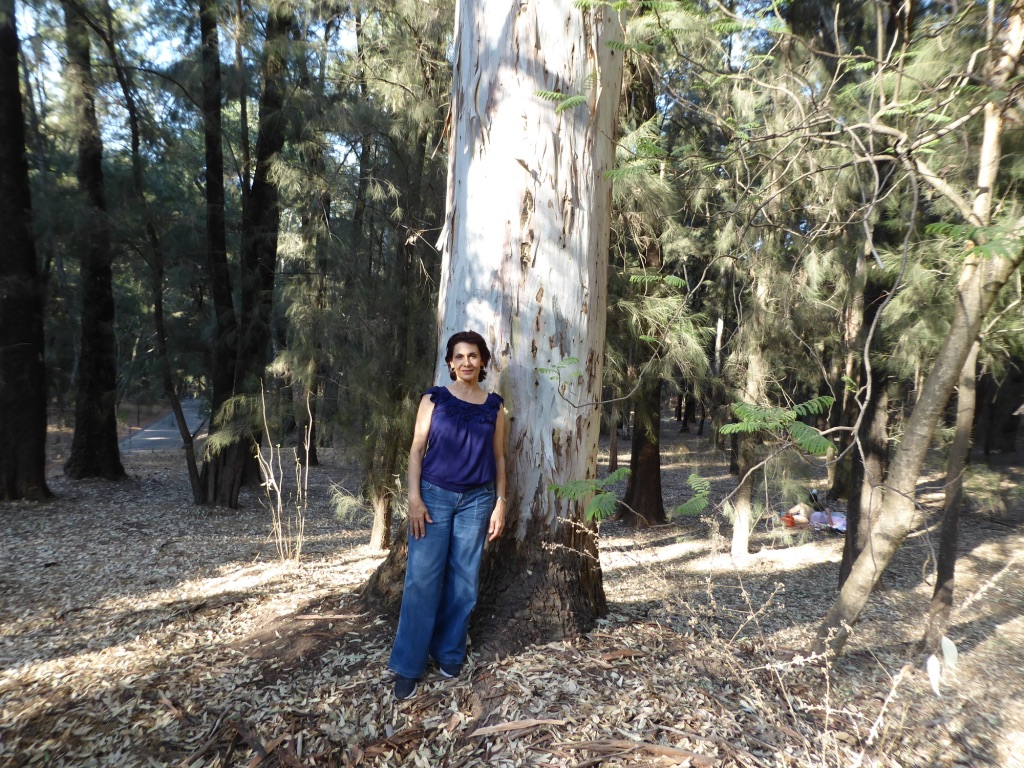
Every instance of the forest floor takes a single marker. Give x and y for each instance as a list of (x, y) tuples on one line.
[(138, 629)]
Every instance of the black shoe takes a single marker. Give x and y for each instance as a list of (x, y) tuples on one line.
[(405, 687), (449, 671)]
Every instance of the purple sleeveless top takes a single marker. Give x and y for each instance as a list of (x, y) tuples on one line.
[(460, 444)]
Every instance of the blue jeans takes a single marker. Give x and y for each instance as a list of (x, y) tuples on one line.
[(441, 579)]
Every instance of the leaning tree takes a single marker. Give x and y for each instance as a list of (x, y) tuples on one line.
[(991, 255), (525, 248)]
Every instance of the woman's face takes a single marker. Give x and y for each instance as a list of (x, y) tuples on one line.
[(467, 363)]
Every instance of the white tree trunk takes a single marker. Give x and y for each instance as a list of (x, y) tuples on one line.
[(525, 243), (525, 255)]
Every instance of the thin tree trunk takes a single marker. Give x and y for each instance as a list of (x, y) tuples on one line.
[(156, 252), (222, 359), (869, 461), (746, 445), (868, 475), (945, 576), (94, 449), (245, 169), (383, 462), (613, 439), (22, 368), (743, 500), (224, 347)]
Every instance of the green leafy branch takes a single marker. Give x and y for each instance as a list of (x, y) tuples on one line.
[(756, 418), (602, 505)]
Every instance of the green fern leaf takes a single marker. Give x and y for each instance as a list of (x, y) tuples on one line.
[(809, 439), (569, 103), (601, 506), (700, 485), (676, 282), (550, 95), (692, 507)]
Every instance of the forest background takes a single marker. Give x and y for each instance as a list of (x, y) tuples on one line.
[(815, 213)]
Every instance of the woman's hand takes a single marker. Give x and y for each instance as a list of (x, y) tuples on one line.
[(497, 525), (418, 518)]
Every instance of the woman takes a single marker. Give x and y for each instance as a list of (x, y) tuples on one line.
[(456, 500)]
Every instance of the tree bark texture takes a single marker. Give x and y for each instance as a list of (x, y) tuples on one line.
[(979, 283), (869, 460), (22, 295), (156, 254), (869, 465), (94, 449), (525, 254), (747, 452)]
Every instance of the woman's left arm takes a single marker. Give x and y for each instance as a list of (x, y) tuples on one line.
[(498, 515)]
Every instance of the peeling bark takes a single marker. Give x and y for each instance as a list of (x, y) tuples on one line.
[(525, 250)]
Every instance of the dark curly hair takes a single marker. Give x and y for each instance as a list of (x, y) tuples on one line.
[(468, 337)]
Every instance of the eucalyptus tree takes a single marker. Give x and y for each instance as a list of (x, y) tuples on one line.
[(23, 397), (525, 249)]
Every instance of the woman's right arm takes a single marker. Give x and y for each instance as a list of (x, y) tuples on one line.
[(418, 514)]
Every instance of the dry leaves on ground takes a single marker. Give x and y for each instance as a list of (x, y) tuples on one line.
[(138, 630)]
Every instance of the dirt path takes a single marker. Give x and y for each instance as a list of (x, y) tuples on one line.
[(137, 629)]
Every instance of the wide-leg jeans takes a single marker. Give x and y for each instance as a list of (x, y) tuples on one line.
[(441, 579)]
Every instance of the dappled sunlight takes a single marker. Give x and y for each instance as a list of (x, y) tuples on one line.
[(795, 558), (612, 560)]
